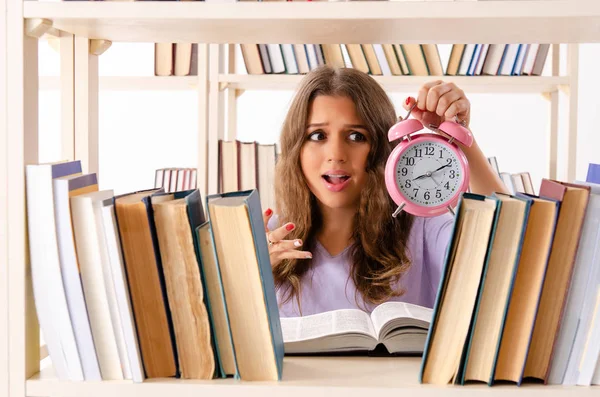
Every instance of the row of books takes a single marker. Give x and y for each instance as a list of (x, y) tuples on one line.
[(149, 285), (398, 59), (176, 179), (519, 182), (175, 59), (181, 59), (519, 296), (246, 166)]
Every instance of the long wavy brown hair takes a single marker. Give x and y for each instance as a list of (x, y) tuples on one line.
[(379, 250)]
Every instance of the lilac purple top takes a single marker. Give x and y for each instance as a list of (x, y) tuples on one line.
[(327, 285)]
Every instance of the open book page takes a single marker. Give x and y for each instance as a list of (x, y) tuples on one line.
[(319, 325), (390, 315)]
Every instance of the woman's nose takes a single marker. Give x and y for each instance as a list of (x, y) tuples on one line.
[(336, 151)]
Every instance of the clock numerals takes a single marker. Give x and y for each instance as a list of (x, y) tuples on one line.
[(427, 196), (447, 185), (449, 160), (407, 184), (441, 154), (452, 174), (415, 192), (404, 171), (410, 161), (419, 153), (438, 194), (429, 151)]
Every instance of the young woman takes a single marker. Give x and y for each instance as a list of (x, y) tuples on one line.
[(333, 243)]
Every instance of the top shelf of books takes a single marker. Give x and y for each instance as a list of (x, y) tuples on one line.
[(383, 22)]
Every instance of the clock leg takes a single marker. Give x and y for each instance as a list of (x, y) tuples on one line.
[(395, 214)]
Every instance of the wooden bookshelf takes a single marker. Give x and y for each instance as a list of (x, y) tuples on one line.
[(471, 84), (552, 21), (302, 376)]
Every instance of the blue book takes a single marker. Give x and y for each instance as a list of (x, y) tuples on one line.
[(243, 255), (458, 288), (593, 174)]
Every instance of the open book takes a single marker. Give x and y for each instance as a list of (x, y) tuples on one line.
[(401, 327)]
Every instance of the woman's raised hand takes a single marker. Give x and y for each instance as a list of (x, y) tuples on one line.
[(280, 249)]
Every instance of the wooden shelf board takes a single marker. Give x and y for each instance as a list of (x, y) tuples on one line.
[(543, 21), (330, 376), (132, 83), (471, 84)]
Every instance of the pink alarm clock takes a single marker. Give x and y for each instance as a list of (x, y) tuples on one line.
[(426, 173)]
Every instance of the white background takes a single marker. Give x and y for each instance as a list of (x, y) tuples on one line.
[(144, 130)]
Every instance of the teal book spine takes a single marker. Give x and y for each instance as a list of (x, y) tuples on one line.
[(268, 283), (557, 202), (253, 206), (210, 308), (462, 365), (440, 294), (528, 203), (196, 216)]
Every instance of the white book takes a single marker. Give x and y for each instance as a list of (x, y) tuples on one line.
[(311, 51), (400, 327), (64, 188), (289, 59), (589, 361), (576, 293), (508, 182), (48, 289), (94, 282), (346, 56), (119, 279), (465, 60), (585, 316), (530, 59), (484, 51), (276, 58), (109, 287), (383, 63), (509, 59), (493, 60)]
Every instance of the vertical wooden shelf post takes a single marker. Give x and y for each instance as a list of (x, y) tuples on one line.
[(86, 106), (215, 115), (67, 96), (203, 123), (572, 94), (22, 149), (4, 210), (553, 138)]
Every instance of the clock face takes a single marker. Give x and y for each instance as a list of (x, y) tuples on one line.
[(429, 173)]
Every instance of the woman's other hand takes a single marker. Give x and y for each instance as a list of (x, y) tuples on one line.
[(279, 248)]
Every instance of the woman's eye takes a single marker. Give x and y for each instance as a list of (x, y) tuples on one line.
[(358, 137), (316, 136)]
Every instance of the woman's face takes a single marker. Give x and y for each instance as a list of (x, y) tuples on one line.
[(335, 151)]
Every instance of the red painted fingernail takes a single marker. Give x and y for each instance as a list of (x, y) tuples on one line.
[(289, 227), (408, 100), (268, 212)]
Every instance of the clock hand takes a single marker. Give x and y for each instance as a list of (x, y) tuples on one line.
[(442, 167), (429, 173)]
